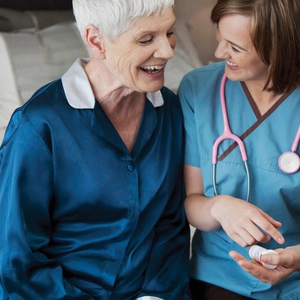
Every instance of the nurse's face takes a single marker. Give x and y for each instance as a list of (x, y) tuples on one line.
[(137, 58), (235, 46)]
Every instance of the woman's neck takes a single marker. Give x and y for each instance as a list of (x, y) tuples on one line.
[(123, 106), (264, 100)]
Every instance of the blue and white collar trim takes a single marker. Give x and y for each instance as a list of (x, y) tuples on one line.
[(79, 92)]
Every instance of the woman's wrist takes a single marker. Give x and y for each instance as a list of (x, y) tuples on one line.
[(297, 248), (216, 206)]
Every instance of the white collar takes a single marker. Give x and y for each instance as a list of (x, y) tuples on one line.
[(79, 92)]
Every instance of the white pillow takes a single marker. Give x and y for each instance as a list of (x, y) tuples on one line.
[(9, 96), (31, 59), (43, 56)]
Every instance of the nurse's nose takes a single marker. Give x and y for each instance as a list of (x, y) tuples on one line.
[(222, 50), (165, 49)]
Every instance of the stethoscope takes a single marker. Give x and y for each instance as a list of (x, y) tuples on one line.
[(289, 162)]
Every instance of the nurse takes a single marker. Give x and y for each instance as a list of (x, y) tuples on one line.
[(259, 44)]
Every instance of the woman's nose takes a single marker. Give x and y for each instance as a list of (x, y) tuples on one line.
[(165, 50), (221, 51)]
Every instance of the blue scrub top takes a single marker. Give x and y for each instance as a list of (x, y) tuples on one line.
[(81, 217), (277, 193)]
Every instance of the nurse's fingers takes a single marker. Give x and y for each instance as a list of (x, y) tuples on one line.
[(268, 225), (245, 232), (241, 260), (254, 268), (251, 234), (240, 240), (274, 222), (288, 257)]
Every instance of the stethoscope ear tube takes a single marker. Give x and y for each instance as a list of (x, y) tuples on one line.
[(248, 180), (227, 134)]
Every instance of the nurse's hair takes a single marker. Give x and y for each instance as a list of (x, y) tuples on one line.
[(113, 17), (275, 34)]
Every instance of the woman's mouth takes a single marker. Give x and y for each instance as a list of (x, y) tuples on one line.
[(231, 65), (152, 69)]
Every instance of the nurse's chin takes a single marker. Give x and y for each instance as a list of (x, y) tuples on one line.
[(233, 75)]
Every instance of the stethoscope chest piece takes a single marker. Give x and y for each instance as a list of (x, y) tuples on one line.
[(289, 162)]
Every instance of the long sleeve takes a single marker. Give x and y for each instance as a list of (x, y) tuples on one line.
[(26, 180), (167, 272)]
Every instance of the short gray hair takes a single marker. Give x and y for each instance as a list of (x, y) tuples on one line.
[(113, 17)]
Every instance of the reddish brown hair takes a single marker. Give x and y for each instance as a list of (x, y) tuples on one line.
[(275, 34)]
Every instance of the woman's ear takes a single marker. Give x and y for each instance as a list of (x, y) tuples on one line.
[(95, 41)]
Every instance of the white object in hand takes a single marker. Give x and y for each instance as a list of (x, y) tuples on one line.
[(255, 252)]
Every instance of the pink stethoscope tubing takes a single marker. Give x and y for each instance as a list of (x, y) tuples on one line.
[(227, 134), (289, 162)]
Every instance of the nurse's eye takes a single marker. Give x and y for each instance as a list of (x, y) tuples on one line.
[(235, 49), (170, 33)]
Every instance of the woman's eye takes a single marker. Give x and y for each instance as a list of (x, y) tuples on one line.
[(235, 49), (170, 33), (145, 42)]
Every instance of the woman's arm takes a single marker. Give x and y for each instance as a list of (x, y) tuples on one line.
[(26, 181), (197, 206), (243, 222)]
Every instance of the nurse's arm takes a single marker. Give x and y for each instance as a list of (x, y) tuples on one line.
[(242, 221), (197, 206)]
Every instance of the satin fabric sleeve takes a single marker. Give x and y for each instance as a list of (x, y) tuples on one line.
[(167, 269), (26, 179)]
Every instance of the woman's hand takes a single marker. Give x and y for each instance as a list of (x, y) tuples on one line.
[(243, 222), (288, 261)]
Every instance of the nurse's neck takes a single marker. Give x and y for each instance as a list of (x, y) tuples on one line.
[(264, 100)]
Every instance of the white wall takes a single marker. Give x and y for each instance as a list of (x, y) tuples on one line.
[(188, 8), (197, 14)]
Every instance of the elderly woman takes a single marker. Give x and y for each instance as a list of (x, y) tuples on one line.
[(91, 192)]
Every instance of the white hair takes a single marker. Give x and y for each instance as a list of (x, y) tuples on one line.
[(113, 17)]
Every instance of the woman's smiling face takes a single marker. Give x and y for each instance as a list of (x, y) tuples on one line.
[(137, 57), (235, 46)]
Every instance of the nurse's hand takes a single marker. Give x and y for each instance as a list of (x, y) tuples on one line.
[(243, 222), (288, 261)]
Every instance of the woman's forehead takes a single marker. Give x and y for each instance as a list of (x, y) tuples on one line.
[(153, 23)]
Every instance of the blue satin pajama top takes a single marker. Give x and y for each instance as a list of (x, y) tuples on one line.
[(81, 217)]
